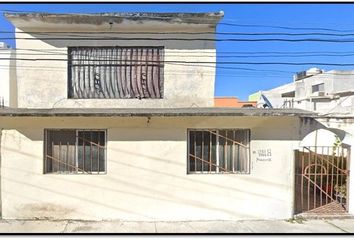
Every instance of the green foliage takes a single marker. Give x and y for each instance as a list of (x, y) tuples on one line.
[(297, 219), (337, 143)]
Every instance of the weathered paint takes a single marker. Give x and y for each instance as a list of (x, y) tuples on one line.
[(7, 80), (185, 84), (43, 19), (147, 172)]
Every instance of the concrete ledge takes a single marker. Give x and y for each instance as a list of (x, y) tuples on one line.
[(150, 112)]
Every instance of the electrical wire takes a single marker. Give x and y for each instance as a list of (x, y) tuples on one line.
[(201, 51), (224, 21), (197, 56), (175, 33), (191, 65), (183, 39), (190, 62)]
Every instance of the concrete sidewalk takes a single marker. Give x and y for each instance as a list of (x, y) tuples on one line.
[(255, 226)]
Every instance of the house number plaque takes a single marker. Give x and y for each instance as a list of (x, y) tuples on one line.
[(263, 154)]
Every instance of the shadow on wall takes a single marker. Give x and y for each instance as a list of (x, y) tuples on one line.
[(124, 134), (308, 125), (265, 128), (168, 174), (150, 193), (13, 82), (189, 41)]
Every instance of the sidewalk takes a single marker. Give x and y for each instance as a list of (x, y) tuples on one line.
[(255, 226)]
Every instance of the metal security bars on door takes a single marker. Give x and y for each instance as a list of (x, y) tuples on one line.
[(321, 184), (115, 72), (218, 151), (75, 151)]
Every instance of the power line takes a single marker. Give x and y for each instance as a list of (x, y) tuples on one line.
[(198, 64), (184, 39), (49, 50), (273, 73), (67, 33), (224, 21), (169, 73), (213, 66), (184, 62), (283, 27), (196, 56)]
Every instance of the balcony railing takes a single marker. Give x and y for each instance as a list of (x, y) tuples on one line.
[(288, 103)]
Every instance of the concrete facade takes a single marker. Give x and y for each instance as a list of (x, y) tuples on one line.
[(337, 96), (185, 84), (7, 76), (146, 175)]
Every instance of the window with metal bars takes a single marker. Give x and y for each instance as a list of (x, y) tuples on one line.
[(218, 151), (115, 72), (75, 151)]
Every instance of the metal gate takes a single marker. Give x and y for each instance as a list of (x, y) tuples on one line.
[(321, 179)]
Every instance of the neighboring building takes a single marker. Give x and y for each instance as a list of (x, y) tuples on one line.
[(6, 75), (330, 92), (125, 129), (232, 102)]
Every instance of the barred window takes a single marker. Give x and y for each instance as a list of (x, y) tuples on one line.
[(115, 72), (75, 151), (218, 151)]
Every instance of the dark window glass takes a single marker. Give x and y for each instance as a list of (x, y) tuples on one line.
[(75, 151), (219, 150)]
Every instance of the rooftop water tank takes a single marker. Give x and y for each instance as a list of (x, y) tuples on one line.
[(305, 74)]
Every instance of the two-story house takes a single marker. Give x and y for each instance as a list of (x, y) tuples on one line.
[(115, 120)]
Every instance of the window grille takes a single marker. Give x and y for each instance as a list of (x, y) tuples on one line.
[(218, 151), (75, 151), (115, 72)]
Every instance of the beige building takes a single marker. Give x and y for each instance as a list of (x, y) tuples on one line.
[(115, 120), (7, 69)]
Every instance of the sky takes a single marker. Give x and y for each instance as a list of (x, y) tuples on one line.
[(244, 79)]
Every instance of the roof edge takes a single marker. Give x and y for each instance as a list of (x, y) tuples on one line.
[(211, 18), (151, 112)]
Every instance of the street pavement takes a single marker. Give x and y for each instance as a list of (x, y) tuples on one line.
[(251, 226)]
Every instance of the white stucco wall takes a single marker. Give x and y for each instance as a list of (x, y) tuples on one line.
[(185, 84), (5, 74), (274, 95), (335, 82), (146, 172)]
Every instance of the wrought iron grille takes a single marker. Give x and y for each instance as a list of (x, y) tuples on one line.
[(321, 179), (115, 72), (75, 151), (218, 151)]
